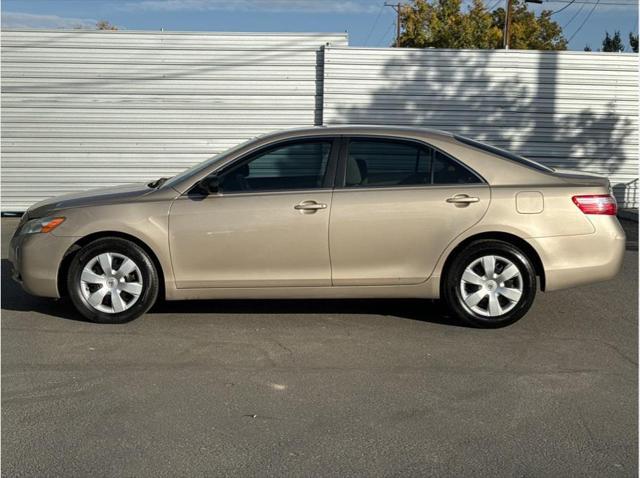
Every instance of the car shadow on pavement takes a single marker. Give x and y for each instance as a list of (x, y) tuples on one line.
[(15, 299), (413, 309)]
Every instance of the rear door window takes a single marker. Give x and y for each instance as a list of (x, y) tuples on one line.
[(389, 163)]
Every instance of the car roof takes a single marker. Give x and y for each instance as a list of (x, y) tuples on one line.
[(357, 130)]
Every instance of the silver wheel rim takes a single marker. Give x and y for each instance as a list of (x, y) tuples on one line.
[(491, 286), (111, 282)]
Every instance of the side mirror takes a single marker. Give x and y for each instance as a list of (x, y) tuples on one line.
[(210, 184)]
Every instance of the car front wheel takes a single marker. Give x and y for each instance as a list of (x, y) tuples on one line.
[(112, 280), (490, 284)]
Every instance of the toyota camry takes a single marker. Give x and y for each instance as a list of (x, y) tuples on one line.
[(329, 212)]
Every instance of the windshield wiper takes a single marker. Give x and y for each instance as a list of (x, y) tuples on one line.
[(157, 183)]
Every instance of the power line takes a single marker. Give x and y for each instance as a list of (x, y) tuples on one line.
[(386, 33), (573, 17), (566, 6), (374, 25), (585, 20), (615, 3)]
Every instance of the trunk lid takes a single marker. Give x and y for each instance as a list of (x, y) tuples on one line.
[(581, 178)]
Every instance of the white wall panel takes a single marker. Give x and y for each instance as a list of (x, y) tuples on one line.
[(83, 109), (575, 110)]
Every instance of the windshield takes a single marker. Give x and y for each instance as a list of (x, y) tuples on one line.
[(195, 170), (504, 154)]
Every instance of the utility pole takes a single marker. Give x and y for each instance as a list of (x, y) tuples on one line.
[(507, 26), (508, 13), (397, 7)]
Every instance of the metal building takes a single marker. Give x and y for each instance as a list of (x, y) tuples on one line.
[(84, 109), (576, 110)]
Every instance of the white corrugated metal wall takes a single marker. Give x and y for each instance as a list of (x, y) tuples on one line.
[(83, 109), (574, 110)]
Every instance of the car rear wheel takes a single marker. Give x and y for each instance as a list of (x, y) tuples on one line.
[(490, 284), (112, 280)]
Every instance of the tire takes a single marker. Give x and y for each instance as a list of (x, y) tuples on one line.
[(481, 299), (118, 295)]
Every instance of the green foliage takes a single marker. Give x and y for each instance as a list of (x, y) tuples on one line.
[(443, 24), (613, 44), (105, 25), (633, 41)]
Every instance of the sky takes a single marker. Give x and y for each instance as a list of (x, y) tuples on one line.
[(368, 22)]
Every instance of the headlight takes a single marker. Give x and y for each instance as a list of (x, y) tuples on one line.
[(44, 224)]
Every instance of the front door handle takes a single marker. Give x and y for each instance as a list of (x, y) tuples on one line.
[(309, 206), (462, 199)]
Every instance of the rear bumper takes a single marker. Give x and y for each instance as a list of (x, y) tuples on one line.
[(570, 261), (35, 259)]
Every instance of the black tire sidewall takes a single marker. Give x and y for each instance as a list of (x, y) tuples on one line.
[(122, 246), (453, 275)]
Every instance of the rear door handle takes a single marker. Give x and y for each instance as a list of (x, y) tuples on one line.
[(311, 206), (462, 199)]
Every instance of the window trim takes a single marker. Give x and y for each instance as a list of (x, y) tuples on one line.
[(504, 154), (341, 174), (327, 183)]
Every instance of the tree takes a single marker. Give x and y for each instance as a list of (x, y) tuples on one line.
[(529, 32), (105, 25), (587, 48), (633, 41), (479, 28), (612, 43), (425, 26), (443, 24)]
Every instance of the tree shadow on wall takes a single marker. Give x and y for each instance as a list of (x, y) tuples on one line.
[(521, 101)]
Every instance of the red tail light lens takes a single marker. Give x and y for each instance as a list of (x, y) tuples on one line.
[(597, 204)]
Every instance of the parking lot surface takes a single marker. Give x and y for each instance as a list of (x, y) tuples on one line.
[(322, 388)]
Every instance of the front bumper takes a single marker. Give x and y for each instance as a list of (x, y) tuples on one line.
[(35, 260)]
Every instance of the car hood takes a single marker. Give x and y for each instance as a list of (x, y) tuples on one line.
[(93, 197)]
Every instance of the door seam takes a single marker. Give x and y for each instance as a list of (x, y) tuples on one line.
[(329, 237)]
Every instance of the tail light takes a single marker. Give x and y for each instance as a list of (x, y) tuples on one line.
[(597, 204)]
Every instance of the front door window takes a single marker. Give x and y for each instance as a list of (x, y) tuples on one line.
[(294, 166)]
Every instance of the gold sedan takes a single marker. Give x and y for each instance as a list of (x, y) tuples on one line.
[(357, 212)]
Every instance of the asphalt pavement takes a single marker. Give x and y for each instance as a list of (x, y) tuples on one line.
[(322, 388)]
